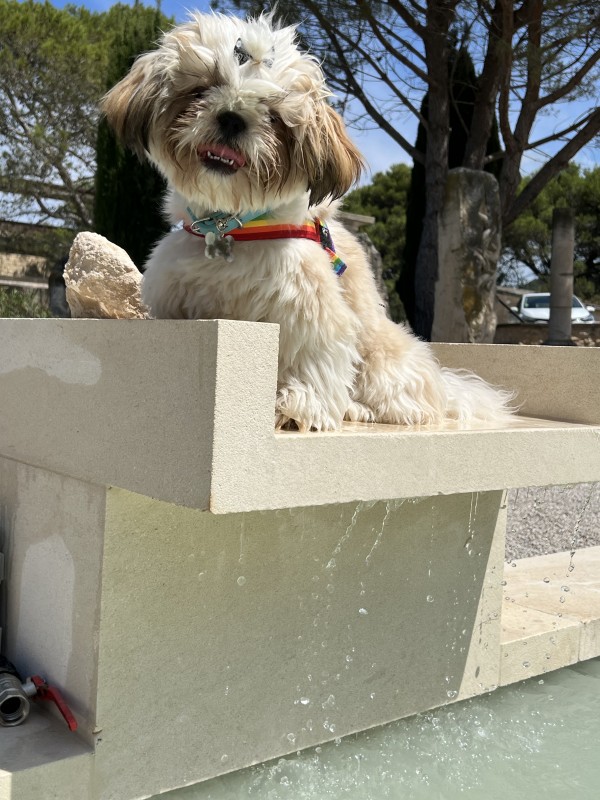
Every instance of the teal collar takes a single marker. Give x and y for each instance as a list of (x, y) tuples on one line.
[(220, 222)]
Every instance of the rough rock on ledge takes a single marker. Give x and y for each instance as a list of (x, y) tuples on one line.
[(102, 281)]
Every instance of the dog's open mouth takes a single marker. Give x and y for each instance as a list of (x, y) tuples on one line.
[(220, 158)]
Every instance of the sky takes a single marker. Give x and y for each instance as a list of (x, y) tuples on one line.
[(379, 150)]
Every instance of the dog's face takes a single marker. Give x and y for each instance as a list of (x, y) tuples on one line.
[(234, 116)]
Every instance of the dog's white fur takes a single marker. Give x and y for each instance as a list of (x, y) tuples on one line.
[(340, 357)]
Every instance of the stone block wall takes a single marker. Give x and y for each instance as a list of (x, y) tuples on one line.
[(583, 335)]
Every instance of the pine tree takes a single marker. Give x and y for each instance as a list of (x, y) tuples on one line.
[(128, 193), (463, 89)]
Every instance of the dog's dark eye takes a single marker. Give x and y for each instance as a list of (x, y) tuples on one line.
[(240, 53)]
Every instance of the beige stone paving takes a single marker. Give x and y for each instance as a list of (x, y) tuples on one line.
[(550, 613)]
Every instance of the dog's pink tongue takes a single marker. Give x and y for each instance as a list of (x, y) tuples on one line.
[(221, 151)]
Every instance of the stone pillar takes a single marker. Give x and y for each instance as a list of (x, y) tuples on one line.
[(469, 247), (561, 277)]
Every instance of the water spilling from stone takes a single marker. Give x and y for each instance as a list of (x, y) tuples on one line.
[(540, 738)]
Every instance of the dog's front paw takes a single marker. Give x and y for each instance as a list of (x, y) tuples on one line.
[(299, 407), (359, 412)]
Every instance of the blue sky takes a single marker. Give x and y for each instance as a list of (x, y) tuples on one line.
[(377, 147)]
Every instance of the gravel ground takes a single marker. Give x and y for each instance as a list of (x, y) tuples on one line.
[(552, 519)]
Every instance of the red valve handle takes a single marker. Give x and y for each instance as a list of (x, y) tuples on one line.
[(51, 693)]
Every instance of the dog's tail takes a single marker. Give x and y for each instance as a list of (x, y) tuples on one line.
[(469, 397)]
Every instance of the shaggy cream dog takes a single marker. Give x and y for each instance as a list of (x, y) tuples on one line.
[(236, 118)]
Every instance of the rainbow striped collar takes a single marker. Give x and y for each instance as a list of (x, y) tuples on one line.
[(253, 227)]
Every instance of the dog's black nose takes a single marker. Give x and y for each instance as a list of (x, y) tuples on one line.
[(231, 124)]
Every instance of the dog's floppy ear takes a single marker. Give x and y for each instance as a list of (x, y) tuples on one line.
[(333, 162), (129, 106)]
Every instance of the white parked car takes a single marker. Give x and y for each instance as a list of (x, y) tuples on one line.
[(535, 307)]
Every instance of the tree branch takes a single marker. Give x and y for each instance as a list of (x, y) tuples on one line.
[(556, 137), (358, 91), (409, 20), (552, 167), (376, 30), (402, 42), (384, 77), (495, 66), (574, 81)]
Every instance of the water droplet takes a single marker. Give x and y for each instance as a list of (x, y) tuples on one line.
[(372, 695), (363, 611), (503, 583), (564, 588), (224, 758), (284, 781), (304, 701), (541, 681), (318, 749), (241, 580), (546, 580), (429, 598), (337, 741), (201, 575), (451, 693), (330, 588), (291, 737), (329, 703), (331, 564), (562, 599), (526, 664)]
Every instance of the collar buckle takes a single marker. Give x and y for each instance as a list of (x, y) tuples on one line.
[(220, 224), (223, 224)]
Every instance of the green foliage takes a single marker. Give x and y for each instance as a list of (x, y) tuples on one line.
[(54, 66), (128, 194), (51, 63), (385, 199), (21, 303), (528, 240)]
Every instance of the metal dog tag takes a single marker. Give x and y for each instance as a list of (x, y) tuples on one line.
[(221, 247)]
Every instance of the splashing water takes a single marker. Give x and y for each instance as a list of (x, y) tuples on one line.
[(538, 738), (379, 536)]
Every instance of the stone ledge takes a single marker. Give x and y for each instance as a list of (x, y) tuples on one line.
[(41, 754), (583, 335), (550, 613), (183, 411)]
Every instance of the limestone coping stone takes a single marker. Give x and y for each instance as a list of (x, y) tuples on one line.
[(183, 411), (550, 613)]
